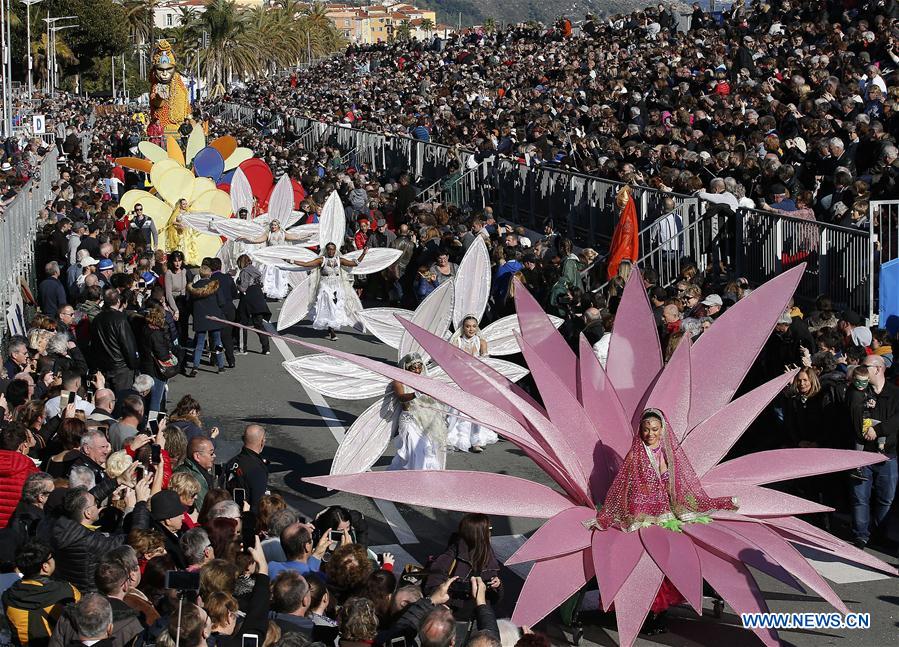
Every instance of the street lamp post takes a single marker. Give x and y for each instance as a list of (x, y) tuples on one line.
[(52, 28), (28, 4)]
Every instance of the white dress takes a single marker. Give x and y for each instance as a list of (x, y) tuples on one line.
[(330, 310), (274, 280), (421, 436), (464, 434)]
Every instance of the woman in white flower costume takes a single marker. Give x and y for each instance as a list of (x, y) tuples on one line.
[(421, 427), (465, 435), (336, 302), (274, 280)]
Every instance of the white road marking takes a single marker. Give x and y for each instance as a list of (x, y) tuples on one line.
[(837, 571), (392, 516)]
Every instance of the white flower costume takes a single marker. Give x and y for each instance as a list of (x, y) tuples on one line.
[(420, 428), (325, 293), (254, 236), (463, 434), (369, 436)]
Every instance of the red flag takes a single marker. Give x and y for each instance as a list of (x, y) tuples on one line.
[(625, 242)]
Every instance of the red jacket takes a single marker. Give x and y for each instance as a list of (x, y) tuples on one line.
[(14, 469)]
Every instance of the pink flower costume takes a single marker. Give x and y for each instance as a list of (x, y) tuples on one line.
[(657, 486)]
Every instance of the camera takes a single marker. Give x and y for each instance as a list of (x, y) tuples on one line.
[(460, 590), (182, 580)]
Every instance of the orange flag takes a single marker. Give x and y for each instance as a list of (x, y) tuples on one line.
[(625, 242)]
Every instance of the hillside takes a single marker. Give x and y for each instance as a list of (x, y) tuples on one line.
[(475, 12)]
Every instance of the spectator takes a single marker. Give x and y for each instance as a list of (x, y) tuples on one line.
[(207, 302), (126, 427), (15, 468), (51, 290), (112, 343), (301, 553), (196, 548), (168, 519), (34, 604), (290, 602), (77, 545), (28, 514), (199, 463), (248, 470)]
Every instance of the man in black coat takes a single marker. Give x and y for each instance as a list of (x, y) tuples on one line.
[(168, 518), (51, 291), (76, 546), (22, 526), (113, 346), (228, 293), (248, 470)]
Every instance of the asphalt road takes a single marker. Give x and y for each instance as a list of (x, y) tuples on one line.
[(304, 431)]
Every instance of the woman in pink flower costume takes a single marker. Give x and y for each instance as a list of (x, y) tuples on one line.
[(657, 486)]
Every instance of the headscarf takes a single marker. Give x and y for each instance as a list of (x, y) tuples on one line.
[(640, 497)]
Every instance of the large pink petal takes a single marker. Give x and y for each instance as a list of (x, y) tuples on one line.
[(671, 392), (674, 554), (549, 584), (482, 492), (635, 357), (742, 331), (726, 542), (483, 381), (754, 501), (784, 554), (565, 533), (785, 464), (635, 598), (735, 584), (540, 332), (615, 556), (575, 436), (470, 405), (711, 439), (601, 402), (801, 532)]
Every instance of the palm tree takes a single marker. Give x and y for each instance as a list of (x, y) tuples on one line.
[(428, 26), (404, 31), (140, 15), (489, 25), (39, 49)]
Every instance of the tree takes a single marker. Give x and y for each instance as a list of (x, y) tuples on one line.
[(404, 31), (489, 25), (102, 29), (427, 25)]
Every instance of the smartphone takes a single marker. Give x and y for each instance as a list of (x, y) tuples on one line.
[(240, 495), (250, 640), (183, 581), (398, 642), (64, 398), (139, 476), (153, 426), (336, 536), (155, 454), (141, 284)]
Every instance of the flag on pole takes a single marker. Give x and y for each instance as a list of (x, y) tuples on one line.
[(625, 242)]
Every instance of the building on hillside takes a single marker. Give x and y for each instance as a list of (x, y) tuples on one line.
[(168, 13), (381, 23)]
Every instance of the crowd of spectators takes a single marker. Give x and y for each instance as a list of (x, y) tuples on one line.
[(122, 525), (777, 102)]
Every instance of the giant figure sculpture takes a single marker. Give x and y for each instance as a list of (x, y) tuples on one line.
[(168, 95)]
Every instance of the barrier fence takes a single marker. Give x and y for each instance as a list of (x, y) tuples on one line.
[(18, 230), (840, 261)]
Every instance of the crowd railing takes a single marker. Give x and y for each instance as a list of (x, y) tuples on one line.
[(18, 230), (841, 262)]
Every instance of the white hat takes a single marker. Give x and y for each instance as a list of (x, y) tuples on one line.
[(87, 261)]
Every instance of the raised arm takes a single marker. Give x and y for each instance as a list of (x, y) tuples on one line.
[(316, 262), (258, 239), (346, 262)]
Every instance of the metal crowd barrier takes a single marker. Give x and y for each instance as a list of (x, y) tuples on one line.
[(841, 262), (837, 259), (18, 230)]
